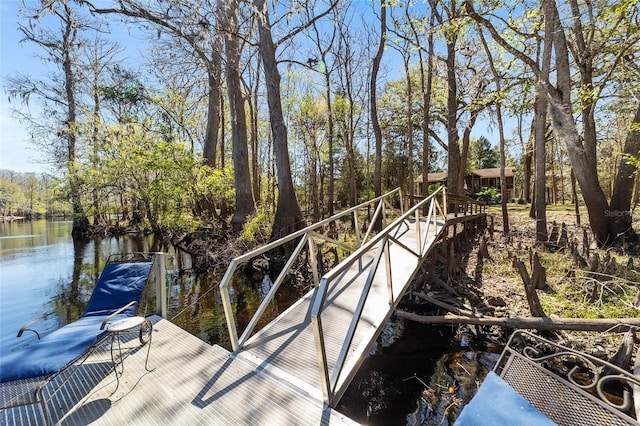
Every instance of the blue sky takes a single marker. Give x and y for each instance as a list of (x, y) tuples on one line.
[(15, 152)]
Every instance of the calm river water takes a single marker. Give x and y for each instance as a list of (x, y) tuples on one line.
[(41, 270)]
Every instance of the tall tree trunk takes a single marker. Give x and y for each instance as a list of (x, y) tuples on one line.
[(409, 115), (620, 208), (455, 184), (426, 82), (210, 146), (503, 180), (528, 165), (255, 154), (567, 131), (426, 111), (554, 179), (80, 225), (574, 196), (330, 136), (245, 205), (377, 131), (541, 134), (288, 216)]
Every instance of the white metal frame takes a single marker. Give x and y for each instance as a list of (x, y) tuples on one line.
[(334, 383), (307, 236)]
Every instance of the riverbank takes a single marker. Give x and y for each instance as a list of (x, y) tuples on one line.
[(485, 283)]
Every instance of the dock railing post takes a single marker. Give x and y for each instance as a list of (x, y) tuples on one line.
[(445, 208), (228, 308), (160, 264)]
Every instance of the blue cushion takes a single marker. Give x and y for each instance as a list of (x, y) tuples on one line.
[(119, 284), (54, 351), (496, 403)]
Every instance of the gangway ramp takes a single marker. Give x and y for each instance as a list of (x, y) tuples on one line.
[(294, 369), (319, 342)]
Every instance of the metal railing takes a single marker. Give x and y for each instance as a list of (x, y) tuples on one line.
[(463, 206), (307, 237), (334, 383)]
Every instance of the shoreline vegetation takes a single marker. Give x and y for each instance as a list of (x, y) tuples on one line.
[(481, 291)]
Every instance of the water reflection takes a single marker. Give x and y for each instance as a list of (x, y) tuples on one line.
[(42, 270)]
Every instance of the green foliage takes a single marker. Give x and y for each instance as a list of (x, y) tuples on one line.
[(487, 195), (214, 185), (159, 179), (482, 155), (258, 226), (27, 194), (573, 301), (635, 161)]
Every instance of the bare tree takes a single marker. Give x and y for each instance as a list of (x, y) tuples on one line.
[(323, 44), (99, 55), (373, 108), (62, 49)]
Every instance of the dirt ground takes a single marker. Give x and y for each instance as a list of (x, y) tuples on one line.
[(496, 284)]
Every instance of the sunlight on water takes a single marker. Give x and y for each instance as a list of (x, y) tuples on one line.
[(41, 271)]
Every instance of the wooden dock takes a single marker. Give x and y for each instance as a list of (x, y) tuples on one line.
[(290, 372), (192, 383)]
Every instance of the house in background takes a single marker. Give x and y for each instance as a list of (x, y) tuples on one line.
[(476, 180)]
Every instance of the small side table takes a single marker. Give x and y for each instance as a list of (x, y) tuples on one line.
[(143, 326)]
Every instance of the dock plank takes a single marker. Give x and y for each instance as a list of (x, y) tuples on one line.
[(286, 347), (192, 383)]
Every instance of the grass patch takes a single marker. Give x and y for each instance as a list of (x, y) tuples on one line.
[(586, 297)]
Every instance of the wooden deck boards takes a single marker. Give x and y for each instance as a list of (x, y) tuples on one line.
[(193, 383), (274, 379)]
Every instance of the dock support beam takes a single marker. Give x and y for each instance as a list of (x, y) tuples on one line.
[(160, 265)]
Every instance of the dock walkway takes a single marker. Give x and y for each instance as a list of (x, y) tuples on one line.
[(290, 372), (193, 383)]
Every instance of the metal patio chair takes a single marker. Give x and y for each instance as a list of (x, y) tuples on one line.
[(567, 386), (25, 372)]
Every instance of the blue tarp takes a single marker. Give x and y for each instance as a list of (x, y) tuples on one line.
[(496, 403), (119, 284)]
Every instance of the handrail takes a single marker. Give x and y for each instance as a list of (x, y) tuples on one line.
[(306, 236), (465, 205), (333, 384)]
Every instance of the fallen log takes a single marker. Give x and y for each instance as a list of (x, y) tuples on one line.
[(444, 305), (616, 325)]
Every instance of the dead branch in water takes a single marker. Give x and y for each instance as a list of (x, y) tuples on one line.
[(539, 323)]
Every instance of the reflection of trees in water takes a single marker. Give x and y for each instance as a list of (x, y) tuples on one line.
[(73, 295), (194, 301), (195, 305)]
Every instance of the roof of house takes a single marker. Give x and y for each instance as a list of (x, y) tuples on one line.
[(433, 177), (494, 172)]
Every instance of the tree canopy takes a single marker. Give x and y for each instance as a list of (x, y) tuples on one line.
[(292, 107)]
